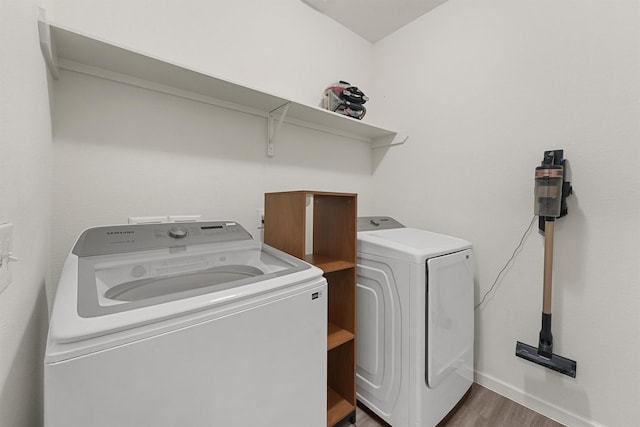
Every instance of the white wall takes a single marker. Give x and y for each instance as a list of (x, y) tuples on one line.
[(121, 151), (483, 88), (25, 200), (281, 46), (486, 87)]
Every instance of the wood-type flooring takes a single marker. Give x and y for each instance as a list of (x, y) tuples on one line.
[(481, 407)]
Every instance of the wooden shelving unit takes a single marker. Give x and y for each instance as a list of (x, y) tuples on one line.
[(333, 223)]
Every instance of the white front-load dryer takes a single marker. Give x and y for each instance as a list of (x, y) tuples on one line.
[(415, 322), (195, 324)]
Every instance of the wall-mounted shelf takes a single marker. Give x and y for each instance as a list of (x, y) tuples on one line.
[(65, 49)]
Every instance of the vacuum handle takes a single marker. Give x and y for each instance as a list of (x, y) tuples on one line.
[(548, 266)]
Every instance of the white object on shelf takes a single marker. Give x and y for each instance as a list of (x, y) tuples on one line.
[(70, 50)]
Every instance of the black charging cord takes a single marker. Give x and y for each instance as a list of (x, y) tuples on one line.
[(513, 255)]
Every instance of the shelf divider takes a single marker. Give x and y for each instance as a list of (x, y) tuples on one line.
[(337, 407), (328, 264), (337, 336)]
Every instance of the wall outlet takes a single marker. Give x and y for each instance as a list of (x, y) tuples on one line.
[(260, 219), (6, 256)]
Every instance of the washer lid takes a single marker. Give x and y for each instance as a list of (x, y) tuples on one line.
[(126, 267), (117, 283), (120, 291), (143, 289), (409, 244)]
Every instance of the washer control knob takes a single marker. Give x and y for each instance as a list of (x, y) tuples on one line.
[(178, 232)]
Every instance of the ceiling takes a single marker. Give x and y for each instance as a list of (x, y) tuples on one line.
[(374, 19)]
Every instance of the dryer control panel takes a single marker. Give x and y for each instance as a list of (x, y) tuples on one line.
[(143, 237), (373, 223)]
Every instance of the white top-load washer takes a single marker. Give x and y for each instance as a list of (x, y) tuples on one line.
[(185, 325), (415, 322)]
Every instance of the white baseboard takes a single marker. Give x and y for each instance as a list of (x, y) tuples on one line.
[(543, 407)]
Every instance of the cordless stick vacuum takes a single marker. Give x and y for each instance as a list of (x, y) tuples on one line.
[(551, 191)]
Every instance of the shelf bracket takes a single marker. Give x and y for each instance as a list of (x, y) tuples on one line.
[(273, 126), (386, 141), (46, 44)]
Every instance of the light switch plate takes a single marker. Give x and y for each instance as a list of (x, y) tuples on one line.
[(6, 247)]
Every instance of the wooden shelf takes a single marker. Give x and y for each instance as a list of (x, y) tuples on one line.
[(337, 407), (328, 264), (64, 48), (337, 336), (333, 221)]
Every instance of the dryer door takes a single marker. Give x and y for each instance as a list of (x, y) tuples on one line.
[(379, 343), (449, 317)]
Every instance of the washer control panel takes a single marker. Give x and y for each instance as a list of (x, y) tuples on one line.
[(142, 237), (178, 232)]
